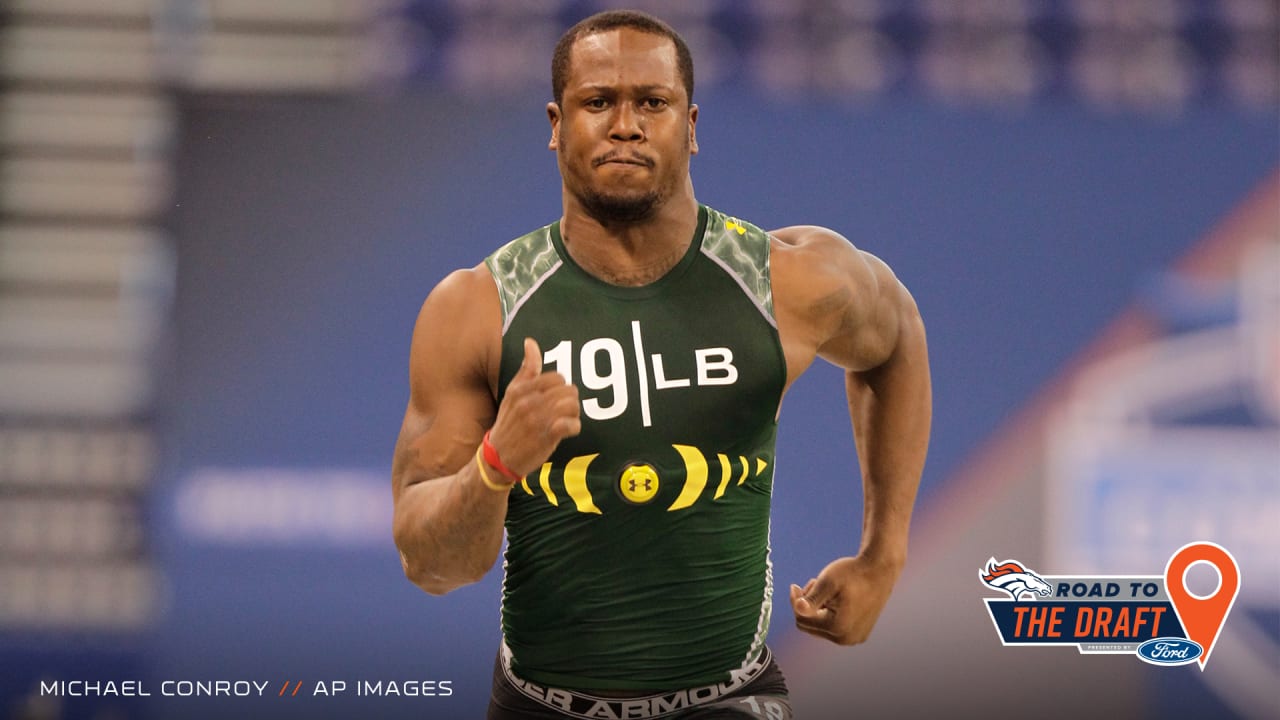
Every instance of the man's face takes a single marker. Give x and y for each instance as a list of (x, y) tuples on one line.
[(625, 130)]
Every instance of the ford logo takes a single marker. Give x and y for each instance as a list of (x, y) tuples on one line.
[(1169, 651)]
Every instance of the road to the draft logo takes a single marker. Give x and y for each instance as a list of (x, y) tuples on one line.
[(1153, 616)]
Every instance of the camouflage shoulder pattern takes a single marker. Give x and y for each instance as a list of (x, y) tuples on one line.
[(742, 250), (519, 267)]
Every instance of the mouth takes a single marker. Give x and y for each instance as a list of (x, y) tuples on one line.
[(618, 158)]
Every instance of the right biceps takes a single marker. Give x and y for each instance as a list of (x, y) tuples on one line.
[(440, 442), (450, 404)]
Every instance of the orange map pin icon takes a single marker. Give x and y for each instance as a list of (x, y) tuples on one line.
[(1202, 615)]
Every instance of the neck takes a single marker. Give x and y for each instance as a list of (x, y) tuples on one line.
[(632, 253)]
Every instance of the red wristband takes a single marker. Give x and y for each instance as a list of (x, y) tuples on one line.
[(491, 457)]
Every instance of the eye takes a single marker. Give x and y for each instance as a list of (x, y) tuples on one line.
[(597, 103), (654, 103)]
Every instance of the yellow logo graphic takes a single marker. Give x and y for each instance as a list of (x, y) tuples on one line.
[(639, 483), (733, 225)]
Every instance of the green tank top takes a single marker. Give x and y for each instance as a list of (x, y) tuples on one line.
[(638, 555)]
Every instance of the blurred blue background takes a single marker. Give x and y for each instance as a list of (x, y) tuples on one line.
[(1031, 170)]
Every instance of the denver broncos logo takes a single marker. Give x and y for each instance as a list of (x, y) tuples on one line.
[(1011, 577)]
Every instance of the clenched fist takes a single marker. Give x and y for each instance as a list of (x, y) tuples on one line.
[(538, 411), (843, 603)]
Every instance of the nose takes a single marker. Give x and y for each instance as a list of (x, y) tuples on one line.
[(626, 124)]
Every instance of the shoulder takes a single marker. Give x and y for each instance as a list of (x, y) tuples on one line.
[(818, 268), (843, 302), (739, 246), (811, 247), (490, 287), (457, 336), (461, 293), (518, 267), (522, 260)]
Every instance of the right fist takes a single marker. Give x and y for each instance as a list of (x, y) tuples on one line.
[(539, 410)]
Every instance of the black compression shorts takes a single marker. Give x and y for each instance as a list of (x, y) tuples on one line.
[(763, 697)]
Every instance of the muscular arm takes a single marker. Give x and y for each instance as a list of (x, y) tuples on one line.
[(447, 522), (888, 387), (846, 306)]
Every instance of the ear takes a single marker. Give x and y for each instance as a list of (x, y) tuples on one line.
[(693, 129), (553, 114)]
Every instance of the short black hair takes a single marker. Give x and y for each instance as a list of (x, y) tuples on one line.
[(611, 20)]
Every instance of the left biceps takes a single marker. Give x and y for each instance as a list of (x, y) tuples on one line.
[(879, 310)]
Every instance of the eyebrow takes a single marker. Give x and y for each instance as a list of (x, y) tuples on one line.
[(641, 89)]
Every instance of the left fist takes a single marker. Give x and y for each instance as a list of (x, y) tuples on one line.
[(843, 603)]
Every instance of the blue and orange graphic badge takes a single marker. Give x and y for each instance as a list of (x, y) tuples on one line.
[(1155, 617), (1014, 579)]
